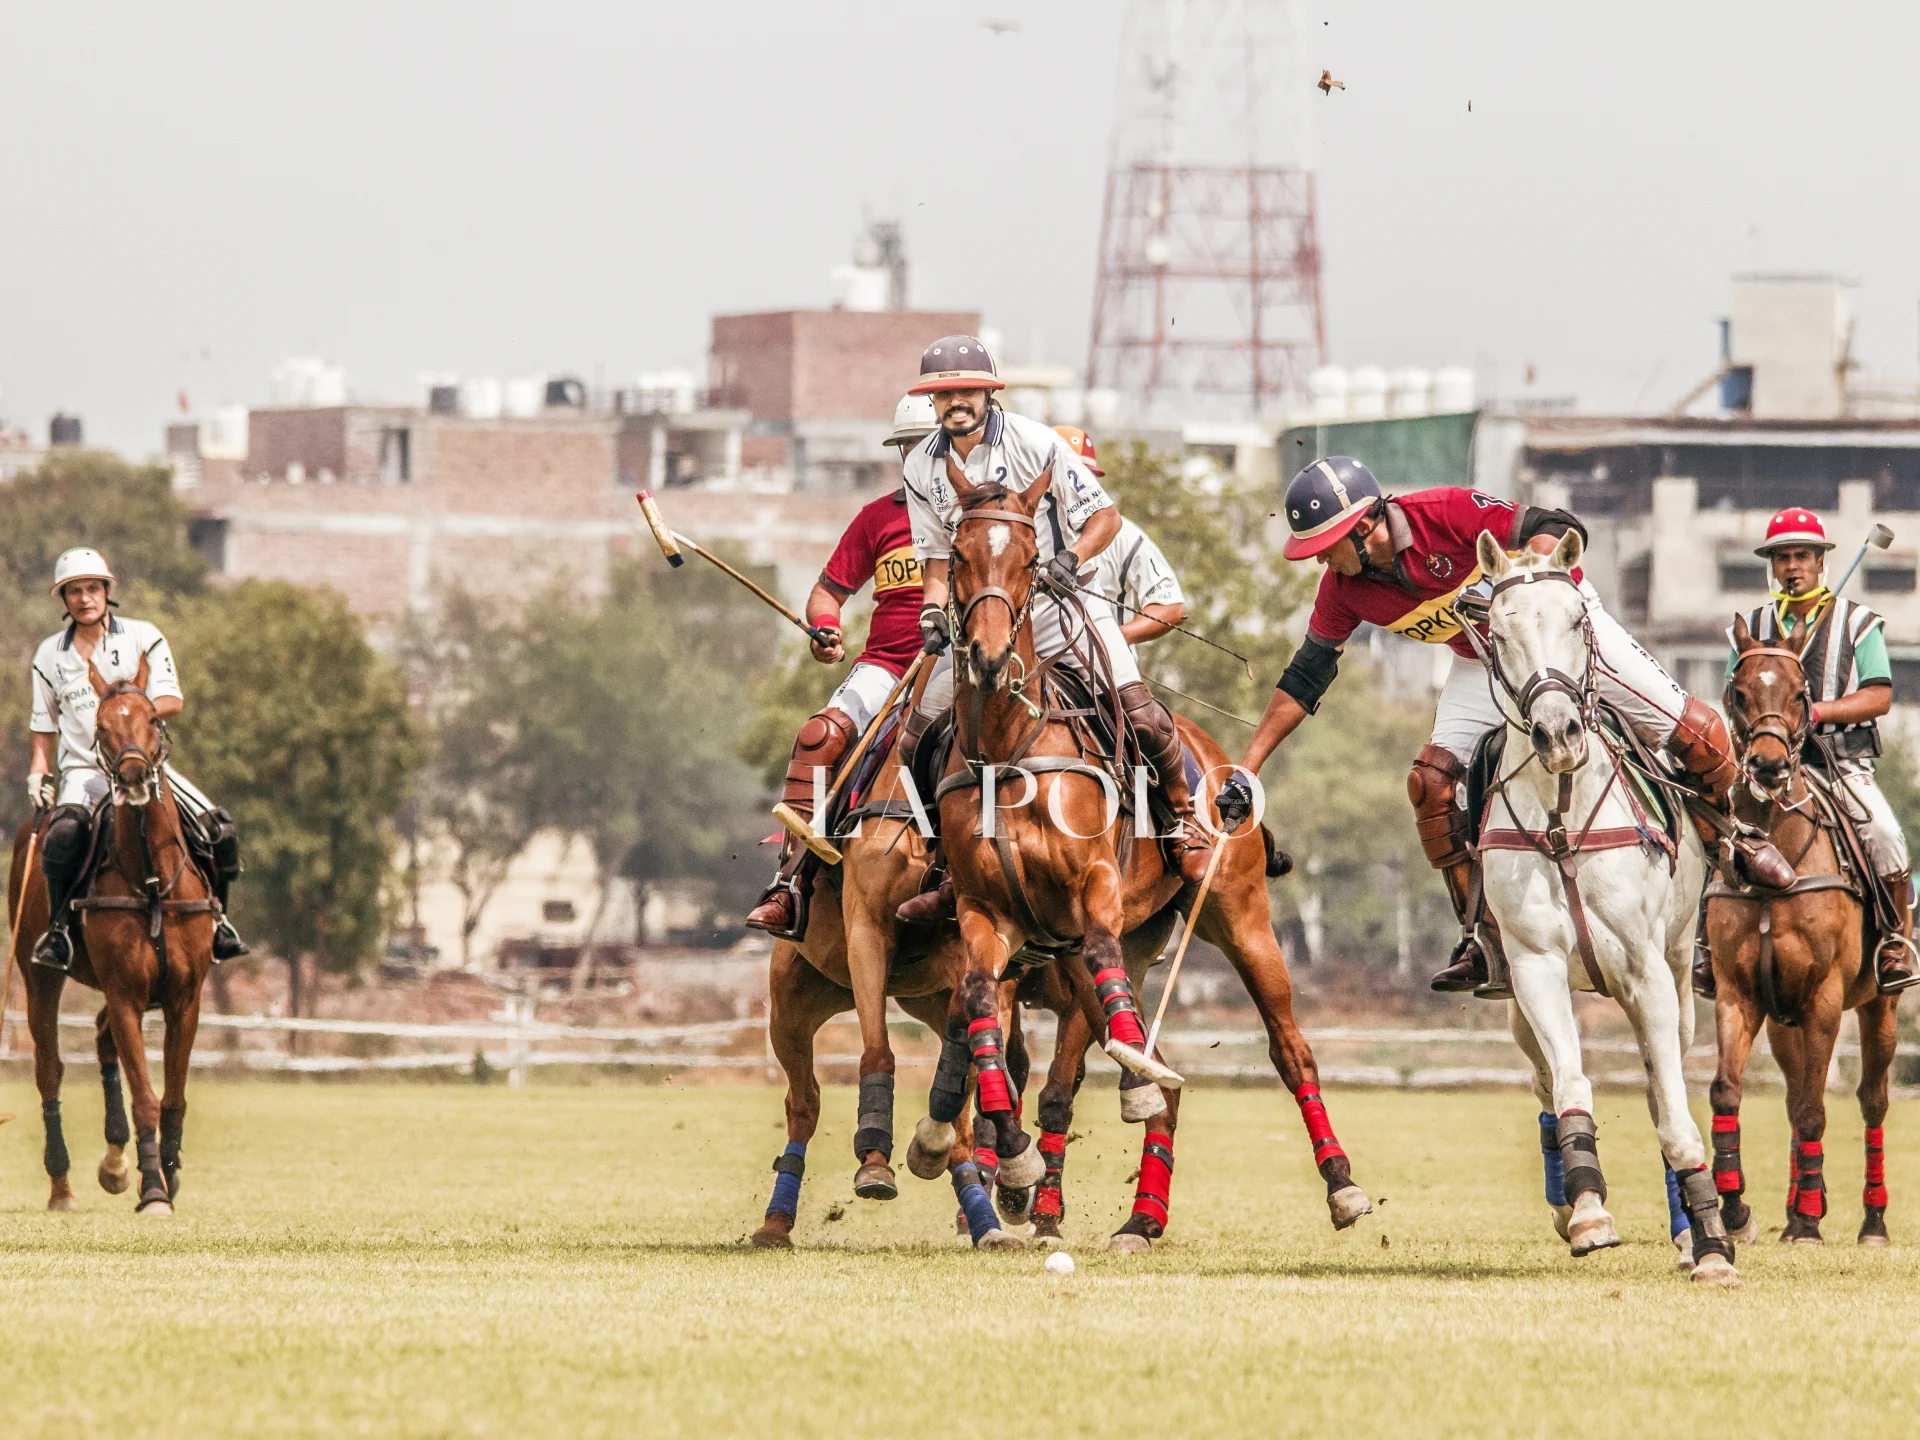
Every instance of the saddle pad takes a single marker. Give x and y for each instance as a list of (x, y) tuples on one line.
[(1648, 798)]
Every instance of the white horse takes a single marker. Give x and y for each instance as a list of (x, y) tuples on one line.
[(1582, 900)]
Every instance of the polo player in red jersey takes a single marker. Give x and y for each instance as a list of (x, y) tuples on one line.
[(1403, 563), (878, 546)]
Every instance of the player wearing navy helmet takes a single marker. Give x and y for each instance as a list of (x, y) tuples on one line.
[(1402, 563)]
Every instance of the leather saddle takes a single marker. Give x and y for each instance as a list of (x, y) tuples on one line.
[(1654, 810)]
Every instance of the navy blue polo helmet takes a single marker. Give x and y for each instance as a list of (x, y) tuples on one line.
[(1324, 502)]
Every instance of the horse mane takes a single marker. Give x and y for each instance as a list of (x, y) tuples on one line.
[(991, 492)]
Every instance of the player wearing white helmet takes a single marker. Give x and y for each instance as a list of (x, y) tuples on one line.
[(61, 736), (1078, 521), (1132, 573), (878, 546)]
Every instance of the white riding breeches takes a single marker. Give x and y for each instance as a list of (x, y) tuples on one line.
[(1879, 827), (1627, 677), (1051, 635), (85, 786), (862, 693)]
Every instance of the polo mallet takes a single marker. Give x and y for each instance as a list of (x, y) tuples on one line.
[(672, 542), (802, 829), (1878, 538), (13, 940), (1186, 938)]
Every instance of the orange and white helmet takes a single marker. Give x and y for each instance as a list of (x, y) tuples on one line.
[(1082, 444), (81, 563)]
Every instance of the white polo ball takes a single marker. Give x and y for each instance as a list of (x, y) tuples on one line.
[(1060, 1263)]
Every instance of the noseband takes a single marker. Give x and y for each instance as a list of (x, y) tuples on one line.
[(1762, 726), (1545, 681), (110, 766)]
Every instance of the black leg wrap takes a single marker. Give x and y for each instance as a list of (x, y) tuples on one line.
[(1580, 1155), (876, 1117), (55, 1157), (118, 1131), (1056, 1115), (173, 1125), (1702, 1203), (153, 1184), (949, 1094)]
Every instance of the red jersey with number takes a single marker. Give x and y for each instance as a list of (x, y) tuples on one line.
[(878, 546), (1436, 535)]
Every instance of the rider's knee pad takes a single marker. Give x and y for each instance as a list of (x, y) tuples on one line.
[(1432, 787), (224, 839), (64, 846)]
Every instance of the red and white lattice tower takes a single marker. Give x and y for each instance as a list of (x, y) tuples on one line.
[(1207, 304)]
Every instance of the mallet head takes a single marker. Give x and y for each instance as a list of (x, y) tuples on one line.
[(651, 511)]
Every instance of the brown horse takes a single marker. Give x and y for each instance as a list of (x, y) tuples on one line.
[(145, 940), (1047, 873), (1796, 960), (855, 956)]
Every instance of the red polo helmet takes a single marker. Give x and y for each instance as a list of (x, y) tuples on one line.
[(1082, 444), (1793, 526)]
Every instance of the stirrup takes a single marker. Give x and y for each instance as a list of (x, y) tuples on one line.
[(227, 944), (1466, 968), (796, 929), (54, 949), (1912, 961), (1704, 985)]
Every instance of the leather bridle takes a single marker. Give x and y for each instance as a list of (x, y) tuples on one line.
[(1548, 680), (155, 762), (1762, 726)]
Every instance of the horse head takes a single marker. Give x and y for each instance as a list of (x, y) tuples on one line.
[(995, 552), (127, 736), (1767, 702), (1542, 646)]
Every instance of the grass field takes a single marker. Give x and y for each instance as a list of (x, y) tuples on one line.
[(419, 1260)]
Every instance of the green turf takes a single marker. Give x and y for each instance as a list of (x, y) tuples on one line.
[(420, 1260)]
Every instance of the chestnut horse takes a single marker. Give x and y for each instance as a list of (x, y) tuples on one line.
[(1046, 872), (145, 940), (855, 957), (1796, 960)]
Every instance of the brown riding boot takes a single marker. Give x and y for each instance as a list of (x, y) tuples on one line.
[(1160, 746), (1894, 961), (1433, 785), (1701, 744), (930, 907), (821, 741)]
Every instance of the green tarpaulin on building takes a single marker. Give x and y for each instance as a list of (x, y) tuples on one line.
[(1410, 454)]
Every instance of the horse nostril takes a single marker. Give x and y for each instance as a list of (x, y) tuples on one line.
[(1540, 737)]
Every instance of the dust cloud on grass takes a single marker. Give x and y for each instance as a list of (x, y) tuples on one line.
[(412, 1260)]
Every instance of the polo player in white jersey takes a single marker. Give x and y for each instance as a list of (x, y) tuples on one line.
[(1131, 574), (62, 733), (1077, 520)]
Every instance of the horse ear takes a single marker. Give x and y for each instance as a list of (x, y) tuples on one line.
[(1493, 559), (1567, 553), (1031, 497), (1743, 640), (961, 485), (140, 675), (96, 679)]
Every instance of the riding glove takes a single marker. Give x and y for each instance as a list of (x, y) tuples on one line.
[(1235, 800), (1063, 572), (935, 633), (40, 791)]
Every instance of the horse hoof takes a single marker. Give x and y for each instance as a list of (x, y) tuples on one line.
[(1047, 1239), (155, 1209), (1140, 1103), (1748, 1233), (1716, 1270), (1015, 1205), (1803, 1240), (1873, 1242), (1000, 1240), (1348, 1204), (1562, 1218), (875, 1181), (1022, 1171), (1126, 1242), (765, 1239), (114, 1180), (62, 1203), (1683, 1249), (1586, 1236), (930, 1149), (1141, 1063)]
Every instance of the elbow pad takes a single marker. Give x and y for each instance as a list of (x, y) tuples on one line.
[(1310, 672)]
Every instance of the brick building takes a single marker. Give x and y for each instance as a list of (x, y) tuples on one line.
[(819, 388)]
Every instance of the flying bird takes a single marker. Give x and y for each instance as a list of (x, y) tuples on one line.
[(1001, 27), (1328, 84)]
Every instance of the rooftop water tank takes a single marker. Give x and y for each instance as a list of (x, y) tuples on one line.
[(65, 429), (1452, 390), (1409, 392), (1328, 387), (480, 398), (525, 396), (1367, 393), (566, 392)]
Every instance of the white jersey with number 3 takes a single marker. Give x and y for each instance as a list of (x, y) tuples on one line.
[(64, 702)]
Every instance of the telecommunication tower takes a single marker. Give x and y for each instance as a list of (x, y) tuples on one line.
[(1207, 302)]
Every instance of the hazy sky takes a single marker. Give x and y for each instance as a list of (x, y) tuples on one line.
[(191, 191)]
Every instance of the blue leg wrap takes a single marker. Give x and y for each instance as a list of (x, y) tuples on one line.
[(974, 1202), (1676, 1206), (1550, 1161), (791, 1165)]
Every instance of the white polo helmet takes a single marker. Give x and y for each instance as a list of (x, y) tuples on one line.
[(82, 563), (913, 421)]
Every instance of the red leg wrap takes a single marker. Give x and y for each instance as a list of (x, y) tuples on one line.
[(1156, 1178), (1116, 997), (996, 1096), (1727, 1178), (987, 1163), (1809, 1186), (1319, 1128), (1876, 1191)]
